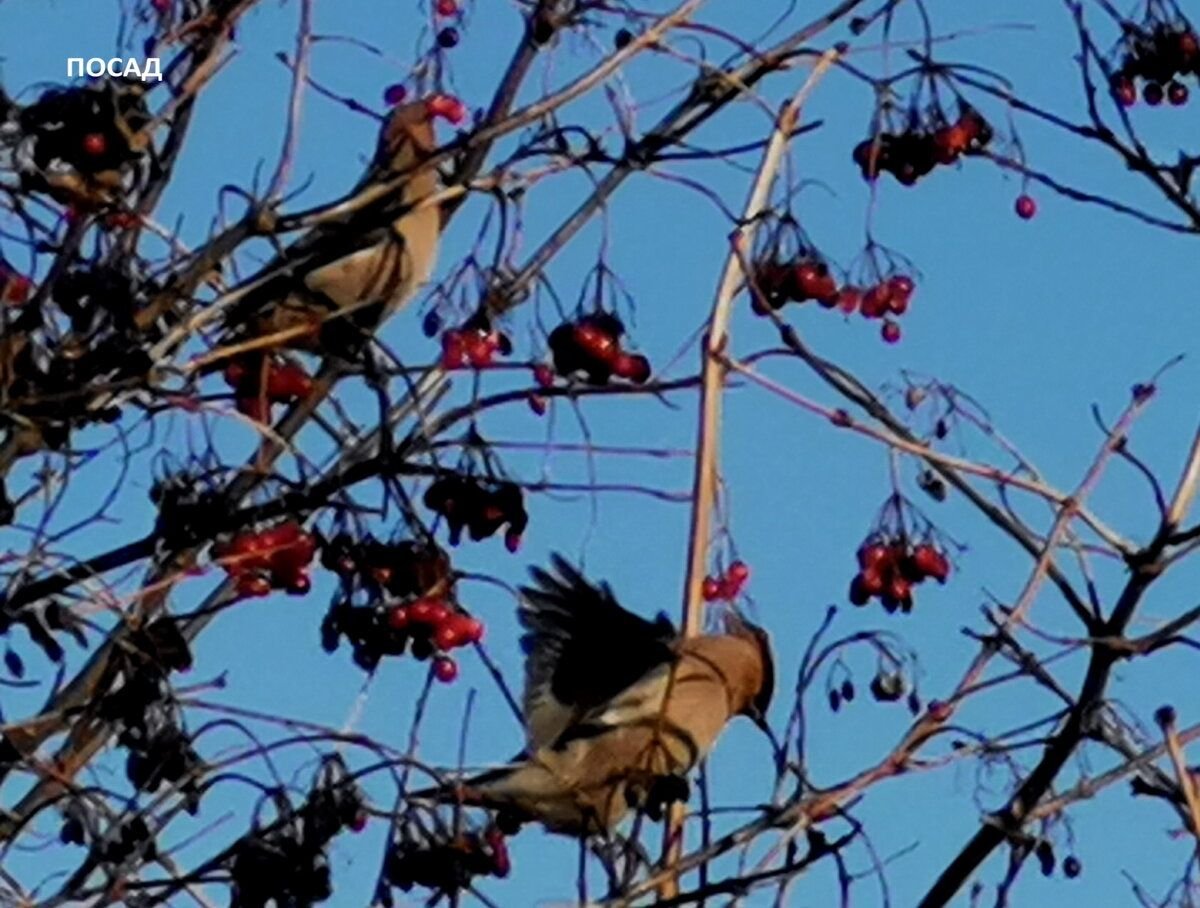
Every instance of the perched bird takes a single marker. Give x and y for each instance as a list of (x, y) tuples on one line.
[(617, 709), (343, 279)]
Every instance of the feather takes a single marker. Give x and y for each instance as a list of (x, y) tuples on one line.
[(582, 650)]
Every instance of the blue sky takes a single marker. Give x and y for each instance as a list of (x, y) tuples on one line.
[(1037, 320)]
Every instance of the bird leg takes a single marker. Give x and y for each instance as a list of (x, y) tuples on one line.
[(653, 792)]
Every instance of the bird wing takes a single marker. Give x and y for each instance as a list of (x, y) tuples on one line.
[(585, 655)]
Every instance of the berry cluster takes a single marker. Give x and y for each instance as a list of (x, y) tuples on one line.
[(809, 278), (805, 278), (403, 568), (482, 506), (474, 344), (915, 152), (259, 561), (435, 625), (890, 568), (285, 863), (590, 347), (1158, 54), (884, 299), (426, 620), (146, 715), (259, 382), (442, 866), (728, 585)]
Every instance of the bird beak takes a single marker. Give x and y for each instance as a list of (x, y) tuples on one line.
[(760, 721)]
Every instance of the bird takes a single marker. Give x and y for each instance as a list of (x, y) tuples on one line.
[(617, 709), (341, 280)]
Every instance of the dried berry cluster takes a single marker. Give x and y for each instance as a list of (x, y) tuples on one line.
[(273, 558), (727, 585), (425, 621), (258, 382), (474, 344), (51, 374), (77, 143), (915, 152), (443, 866), (285, 862), (888, 685), (41, 623), (590, 347), (890, 568), (483, 506), (1159, 54), (146, 716)]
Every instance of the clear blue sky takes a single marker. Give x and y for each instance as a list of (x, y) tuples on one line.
[(1038, 320)]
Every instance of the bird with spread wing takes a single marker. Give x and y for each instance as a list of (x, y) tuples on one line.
[(616, 708)]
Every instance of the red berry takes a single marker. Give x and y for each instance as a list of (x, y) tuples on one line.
[(448, 107), (359, 822), (859, 594), (445, 669), (1152, 93), (471, 628), (234, 374), (537, 404), (1188, 45), (899, 589), (395, 94), (1177, 94), (448, 636), (253, 585), (94, 143), (255, 407), (448, 37), (876, 301), (121, 220), (447, 8), (299, 584), (16, 289), (872, 580), (634, 367), (479, 348), (873, 555), (288, 382), (597, 343), (739, 572), (398, 618), (901, 283), (1124, 91), (543, 375), (1025, 207), (849, 299), (890, 332), (931, 563), (710, 590), (454, 350), (421, 611), (512, 541)]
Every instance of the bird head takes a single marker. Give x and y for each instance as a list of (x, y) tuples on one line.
[(736, 625), (408, 136)]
